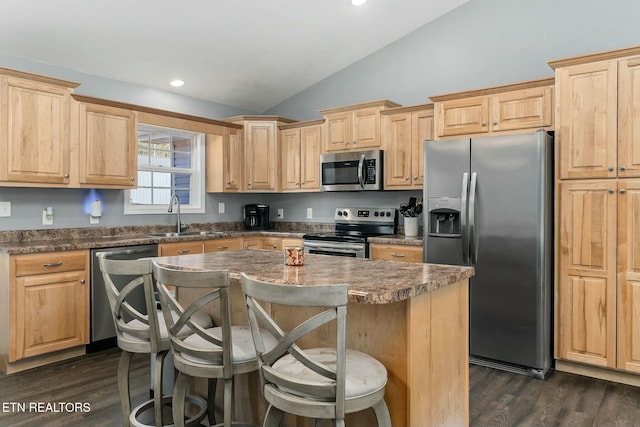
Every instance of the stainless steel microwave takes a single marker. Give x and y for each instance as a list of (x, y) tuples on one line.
[(351, 171)]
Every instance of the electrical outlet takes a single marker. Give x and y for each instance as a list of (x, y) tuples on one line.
[(280, 213), (5, 209), (309, 213), (47, 219), (94, 219), (221, 207)]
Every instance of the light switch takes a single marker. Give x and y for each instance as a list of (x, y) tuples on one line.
[(280, 213), (221, 207), (309, 213)]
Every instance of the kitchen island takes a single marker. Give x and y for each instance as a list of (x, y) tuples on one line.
[(411, 317)]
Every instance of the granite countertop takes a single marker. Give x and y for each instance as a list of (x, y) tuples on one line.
[(370, 281), (398, 239), (37, 241)]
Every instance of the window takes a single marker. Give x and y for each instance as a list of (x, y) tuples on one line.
[(169, 161)]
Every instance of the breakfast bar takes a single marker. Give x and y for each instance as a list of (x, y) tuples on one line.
[(411, 317)]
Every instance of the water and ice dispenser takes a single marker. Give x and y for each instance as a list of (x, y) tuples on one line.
[(444, 216)]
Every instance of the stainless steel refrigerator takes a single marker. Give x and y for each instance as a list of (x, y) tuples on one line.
[(489, 204)]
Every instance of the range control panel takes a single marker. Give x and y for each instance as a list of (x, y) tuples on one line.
[(365, 215)]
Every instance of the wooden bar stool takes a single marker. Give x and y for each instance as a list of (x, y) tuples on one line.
[(212, 353), (139, 333), (319, 383)]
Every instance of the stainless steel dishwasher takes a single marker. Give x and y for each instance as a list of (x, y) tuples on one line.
[(103, 333)]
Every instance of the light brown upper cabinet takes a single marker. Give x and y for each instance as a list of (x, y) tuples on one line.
[(225, 159), (511, 108), (34, 129), (598, 126), (300, 160), (106, 137), (261, 152), (404, 130), (354, 127)]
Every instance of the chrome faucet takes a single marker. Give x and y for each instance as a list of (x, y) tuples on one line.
[(177, 199)]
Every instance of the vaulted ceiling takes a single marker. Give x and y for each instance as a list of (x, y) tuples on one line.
[(251, 54)]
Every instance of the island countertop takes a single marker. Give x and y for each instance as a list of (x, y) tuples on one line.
[(370, 281)]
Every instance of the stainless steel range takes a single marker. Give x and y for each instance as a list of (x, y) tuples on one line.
[(353, 227)]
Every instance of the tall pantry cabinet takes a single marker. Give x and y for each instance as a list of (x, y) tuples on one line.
[(598, 221)]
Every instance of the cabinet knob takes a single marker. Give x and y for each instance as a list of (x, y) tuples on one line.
[(249, 184), (297, 183), (355, 142), (623, 168), (415, 178), (346, 143), (622, 191), (132, 179), (611, 168), (223, 248), (184, 251), (495, 122), (228, 182), (483, 124), (611, 191), (82, 281), (66, 175), (406, 178)]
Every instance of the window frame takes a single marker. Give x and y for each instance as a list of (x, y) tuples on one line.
[(198, 173)]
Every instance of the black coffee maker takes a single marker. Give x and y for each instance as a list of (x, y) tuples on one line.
[(256, 217)]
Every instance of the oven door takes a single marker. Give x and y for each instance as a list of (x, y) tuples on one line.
[(353, 250)]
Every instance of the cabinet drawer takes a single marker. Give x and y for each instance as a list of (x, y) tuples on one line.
[(396, 253), (223, 245), (181, 248), (50, 262)]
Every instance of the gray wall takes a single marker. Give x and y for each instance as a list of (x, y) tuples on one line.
[(482, 43)]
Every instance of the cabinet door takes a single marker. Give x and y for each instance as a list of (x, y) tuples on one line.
[(462, 116), (223, 245), (338, 132), (629, 275), (366, 128), (397, 150), (586, 121), (310, 141), (290, 140), (261, 156), (629, 118), (421, 130), (51, 313), (107, 146), (34, 132), (587, 279), (180, 248), (233, 159), (522, 109)]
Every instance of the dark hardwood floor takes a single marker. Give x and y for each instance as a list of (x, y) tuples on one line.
[(497, 398)]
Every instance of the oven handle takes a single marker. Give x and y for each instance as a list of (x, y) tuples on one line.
[(329, 247)]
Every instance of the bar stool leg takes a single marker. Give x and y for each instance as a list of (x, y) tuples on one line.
[(158, 392), (123, 386), (211, 400)]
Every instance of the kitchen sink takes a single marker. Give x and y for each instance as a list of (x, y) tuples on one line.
[(187, 234)]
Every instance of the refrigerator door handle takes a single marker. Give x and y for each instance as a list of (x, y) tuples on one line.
[(463, 218), (473, 246)]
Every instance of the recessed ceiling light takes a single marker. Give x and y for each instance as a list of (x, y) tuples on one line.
[(358, 2), (176, 82)]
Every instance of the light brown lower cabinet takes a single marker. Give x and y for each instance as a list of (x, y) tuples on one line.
[(598, 285), (49, 302), (181, 248), (223, 245), (401, 253)]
